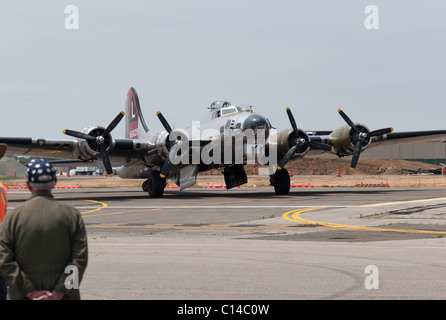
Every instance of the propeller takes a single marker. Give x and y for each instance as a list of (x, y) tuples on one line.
[(167, 163), (179, 133), (99, 141), (164, 122), (300, 144), (362, 136)]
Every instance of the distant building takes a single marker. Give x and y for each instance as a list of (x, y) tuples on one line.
[(429, 152)]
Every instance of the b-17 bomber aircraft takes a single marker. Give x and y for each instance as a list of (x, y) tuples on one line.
[(231, 137)]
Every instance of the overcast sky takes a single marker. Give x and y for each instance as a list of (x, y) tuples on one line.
[(313, 56)]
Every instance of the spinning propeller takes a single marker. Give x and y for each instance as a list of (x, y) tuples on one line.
[(98, 142), (361, 136)]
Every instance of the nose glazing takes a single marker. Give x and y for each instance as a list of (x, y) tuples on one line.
[(256, 122)]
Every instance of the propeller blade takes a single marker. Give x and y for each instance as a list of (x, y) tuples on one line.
[(380, 132), (164, 122), (78, 134), (347, 119), (106, 160), (166, 168), (287, 157), (293, 122), (113, 124), (356, 155)]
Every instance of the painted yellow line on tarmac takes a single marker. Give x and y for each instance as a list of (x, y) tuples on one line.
[(383, 204), (295, 217), (104, 205), (299, 211), (143, 209), (121, 212)]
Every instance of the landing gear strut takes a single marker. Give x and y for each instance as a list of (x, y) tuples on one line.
[(154, 185), (281, 182)]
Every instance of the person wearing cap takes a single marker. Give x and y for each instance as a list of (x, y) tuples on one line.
[(43, 242)]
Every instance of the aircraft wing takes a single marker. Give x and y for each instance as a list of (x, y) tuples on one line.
[(60, 149), (408, 137), (393, 138), (88, 146), (68, 151), (353, 138), (345, 142)]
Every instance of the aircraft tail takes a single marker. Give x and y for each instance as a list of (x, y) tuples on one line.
[(135, 126)]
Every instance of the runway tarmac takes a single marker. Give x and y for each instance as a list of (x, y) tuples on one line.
[(248, 243)]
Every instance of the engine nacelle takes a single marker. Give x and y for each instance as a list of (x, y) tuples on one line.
[(344, 139), (163, 145), (286, 140), (89, 150)]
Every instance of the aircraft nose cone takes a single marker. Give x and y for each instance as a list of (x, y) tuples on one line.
[(256, 121)]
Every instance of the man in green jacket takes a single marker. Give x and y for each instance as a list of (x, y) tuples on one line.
[(43, 242)]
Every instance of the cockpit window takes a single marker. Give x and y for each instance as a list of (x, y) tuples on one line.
[(224, 108), (228, 110), (219, 104)]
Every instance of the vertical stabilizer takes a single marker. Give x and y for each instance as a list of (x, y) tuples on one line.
[(135, 126)]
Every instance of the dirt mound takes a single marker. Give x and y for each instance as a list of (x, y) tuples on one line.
[(329, 166)]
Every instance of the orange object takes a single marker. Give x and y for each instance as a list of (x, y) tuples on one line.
[(3, 201)]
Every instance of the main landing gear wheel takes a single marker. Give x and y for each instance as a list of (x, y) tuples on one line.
[(281, 182), (154, 185)]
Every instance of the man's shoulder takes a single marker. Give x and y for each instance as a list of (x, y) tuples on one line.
[(36, 201)]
